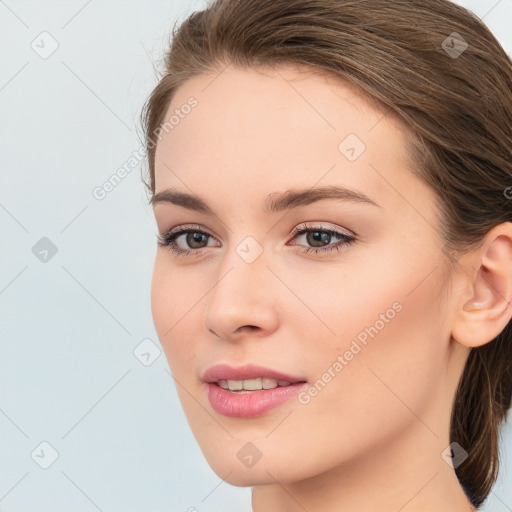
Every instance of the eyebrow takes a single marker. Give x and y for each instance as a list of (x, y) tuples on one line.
[(282, 201)]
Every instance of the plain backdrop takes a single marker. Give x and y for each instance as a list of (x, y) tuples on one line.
[(89, 415)]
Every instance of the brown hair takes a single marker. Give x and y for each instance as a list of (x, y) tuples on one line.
[(456, 101)]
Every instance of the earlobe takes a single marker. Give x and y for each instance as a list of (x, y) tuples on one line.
[(486, 309)]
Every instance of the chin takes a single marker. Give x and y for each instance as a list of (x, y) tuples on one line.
[(227, 461), (240, 476)]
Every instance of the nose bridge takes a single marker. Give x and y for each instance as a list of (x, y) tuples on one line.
[(239, 296), (240, 272)]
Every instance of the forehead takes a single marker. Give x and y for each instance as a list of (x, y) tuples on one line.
[(254, 99), (276, 128)]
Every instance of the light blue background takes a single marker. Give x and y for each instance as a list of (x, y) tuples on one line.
[(68, 375)]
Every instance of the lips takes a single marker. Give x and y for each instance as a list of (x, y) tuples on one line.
[(247, 372), (250, 390)]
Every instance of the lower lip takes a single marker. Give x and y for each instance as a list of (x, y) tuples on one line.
[(252, 403)]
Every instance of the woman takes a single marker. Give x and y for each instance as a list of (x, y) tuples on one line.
[(331, 183)]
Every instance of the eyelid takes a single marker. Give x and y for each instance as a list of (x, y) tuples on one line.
[(180, 228), (309, 226)]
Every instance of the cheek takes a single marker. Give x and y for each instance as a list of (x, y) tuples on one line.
[(393, 344), (378, 347), (172, 306)]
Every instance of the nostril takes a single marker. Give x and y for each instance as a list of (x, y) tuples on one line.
[(250, 327)]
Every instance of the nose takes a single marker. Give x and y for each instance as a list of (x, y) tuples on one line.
[(242, 302)]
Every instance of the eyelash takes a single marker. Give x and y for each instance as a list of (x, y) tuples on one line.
[(169, 239)]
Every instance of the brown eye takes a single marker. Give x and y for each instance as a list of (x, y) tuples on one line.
[(193, 237), (193, 240), (319, 239)]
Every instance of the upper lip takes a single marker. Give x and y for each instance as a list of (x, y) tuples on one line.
[(248, 371)]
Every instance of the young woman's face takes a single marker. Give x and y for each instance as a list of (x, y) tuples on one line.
[(311, 251)]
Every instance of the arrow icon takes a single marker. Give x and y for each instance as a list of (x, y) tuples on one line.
[(454, 45), (44, 455), (44, 44), (351, 147), (249, 455), (44, 250), (146, 352), (249, 249)]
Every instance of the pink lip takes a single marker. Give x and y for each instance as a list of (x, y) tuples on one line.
[(248, 371), (248, 403)]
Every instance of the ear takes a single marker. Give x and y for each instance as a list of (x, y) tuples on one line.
[(484, 309)]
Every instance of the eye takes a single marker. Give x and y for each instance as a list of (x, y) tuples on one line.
[(193, 237), (320, 238)]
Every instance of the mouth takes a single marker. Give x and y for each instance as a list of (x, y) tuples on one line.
[(249, 390), (248, 385)]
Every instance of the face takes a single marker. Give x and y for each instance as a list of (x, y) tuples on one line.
[(342, 294)]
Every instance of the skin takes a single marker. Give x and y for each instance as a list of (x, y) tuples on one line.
[(372, 438)]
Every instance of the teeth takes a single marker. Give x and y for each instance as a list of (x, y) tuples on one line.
[(235, 385), (269, 383), (249, 384), (223, 384), (252, 384)]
